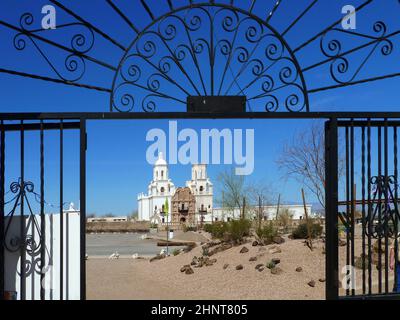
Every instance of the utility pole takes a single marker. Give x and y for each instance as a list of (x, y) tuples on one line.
[(309, 242), (277, 208), (259, 212), (244, 207)]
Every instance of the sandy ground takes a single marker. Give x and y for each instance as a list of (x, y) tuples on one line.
[(141, 279)]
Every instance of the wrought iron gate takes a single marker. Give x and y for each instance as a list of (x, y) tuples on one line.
[(39, 256), (362, 208)]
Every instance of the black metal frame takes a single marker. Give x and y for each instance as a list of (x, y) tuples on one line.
[(132, 89), (23, 189), (332, 46), (379, 203), (334, 120)]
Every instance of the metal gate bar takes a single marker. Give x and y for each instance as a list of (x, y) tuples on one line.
[(2, 190), (378, 204), (41, 126)]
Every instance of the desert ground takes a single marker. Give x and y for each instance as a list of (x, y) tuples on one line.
[(162, 279), (129, 279)]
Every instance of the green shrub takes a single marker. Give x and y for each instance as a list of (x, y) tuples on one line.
[(218, 229), (186, 228), (208, 228), (237, 229), (175, 252), (267, 233), (301, 232), (233, 230)]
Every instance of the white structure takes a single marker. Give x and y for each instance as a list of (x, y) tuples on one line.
[(269, 212), (108, 219), (160, 189), (202, 189), (71, 254)]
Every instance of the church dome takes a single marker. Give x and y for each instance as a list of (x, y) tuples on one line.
[(161, 161)]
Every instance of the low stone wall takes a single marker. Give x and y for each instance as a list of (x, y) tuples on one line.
[(112, 227)]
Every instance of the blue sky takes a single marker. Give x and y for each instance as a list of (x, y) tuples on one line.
[(116, 166)]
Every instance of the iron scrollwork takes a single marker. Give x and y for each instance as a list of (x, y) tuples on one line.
[(208, 50), (332, 47), (383, 217), (28, 242), (81, 42)]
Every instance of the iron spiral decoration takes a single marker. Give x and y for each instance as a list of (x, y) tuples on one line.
[(383, 217), (81, 40), (208, 50), (28, 242), (342, 69)]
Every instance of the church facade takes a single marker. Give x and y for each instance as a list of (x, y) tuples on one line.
[(166, 203)]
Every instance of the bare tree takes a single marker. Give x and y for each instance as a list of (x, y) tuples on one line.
[(304, 160), (233, 188), (259, 195)]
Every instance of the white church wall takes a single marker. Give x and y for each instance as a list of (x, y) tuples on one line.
[(52, 277)]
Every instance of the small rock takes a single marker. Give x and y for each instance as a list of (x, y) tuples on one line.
[(244, 250), (239, 267), (189, 271), (262, 249), (278, 240), (276, 271), (226, 266), (311, 283), (342, 243), (261, 269), (252, 259), (299, 269), (276, 261), (259, 266), (274, 250), (255, 243), (322, 280), (184, 268)]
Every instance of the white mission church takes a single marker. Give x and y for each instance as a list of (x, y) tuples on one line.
[(151, 206), (194, 203)]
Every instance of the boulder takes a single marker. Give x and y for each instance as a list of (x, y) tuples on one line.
[(276, 271), (252, 259), (244, 250), (255, 243), (278, 240), (299, 269), (189, 271), (184, 268), (239, 267), (276, 261), (311, 283)]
